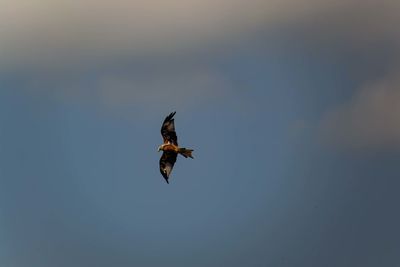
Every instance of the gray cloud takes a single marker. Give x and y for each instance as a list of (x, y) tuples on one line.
[(180, 87), (63, 33), (363, 39), (182, 90), (53, 41), (371, 119), (72, 32)]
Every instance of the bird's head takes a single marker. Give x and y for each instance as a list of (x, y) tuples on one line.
[(160, 148)]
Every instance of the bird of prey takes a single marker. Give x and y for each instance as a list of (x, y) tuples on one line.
[(170, 147)]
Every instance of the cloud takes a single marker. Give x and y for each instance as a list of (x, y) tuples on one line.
[(71, 32), (48, 33), (59, 45), (182, 86), (181, 90), (371, 119), (66, 31)]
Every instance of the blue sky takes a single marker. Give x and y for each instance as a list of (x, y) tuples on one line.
[(291, 107)]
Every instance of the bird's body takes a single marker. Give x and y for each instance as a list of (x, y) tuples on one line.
[(170, 147)]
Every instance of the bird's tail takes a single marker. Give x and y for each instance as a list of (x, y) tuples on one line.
[(185, 152)]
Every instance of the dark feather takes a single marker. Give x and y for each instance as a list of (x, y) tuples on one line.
[(168, 130), (167, 162)]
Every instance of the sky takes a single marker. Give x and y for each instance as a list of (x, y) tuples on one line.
[(292, 109)]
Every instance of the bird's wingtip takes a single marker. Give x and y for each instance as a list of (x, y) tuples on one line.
[(170, 116)]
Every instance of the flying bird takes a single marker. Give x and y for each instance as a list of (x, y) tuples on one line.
[(170, 147)]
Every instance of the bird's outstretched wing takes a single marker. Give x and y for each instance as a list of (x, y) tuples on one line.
[(167, 162), (168, 130)]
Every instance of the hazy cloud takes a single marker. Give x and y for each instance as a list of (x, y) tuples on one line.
[(63, 32), (53, 41), (370, 120), (178, 87)]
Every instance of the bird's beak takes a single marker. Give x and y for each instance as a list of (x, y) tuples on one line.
[(159, 149)]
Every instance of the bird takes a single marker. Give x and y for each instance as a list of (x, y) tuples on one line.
[(170, 147)]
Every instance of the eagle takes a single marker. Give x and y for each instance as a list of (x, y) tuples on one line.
[(170, 147)]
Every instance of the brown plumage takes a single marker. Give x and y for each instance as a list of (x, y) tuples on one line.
[(170, 147)]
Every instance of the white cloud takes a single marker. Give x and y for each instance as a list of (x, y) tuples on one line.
[(370, 120)]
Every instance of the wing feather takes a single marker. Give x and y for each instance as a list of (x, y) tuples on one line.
[(168, 130), (167, 162)]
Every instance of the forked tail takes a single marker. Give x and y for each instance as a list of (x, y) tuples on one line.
[(185, 152)]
